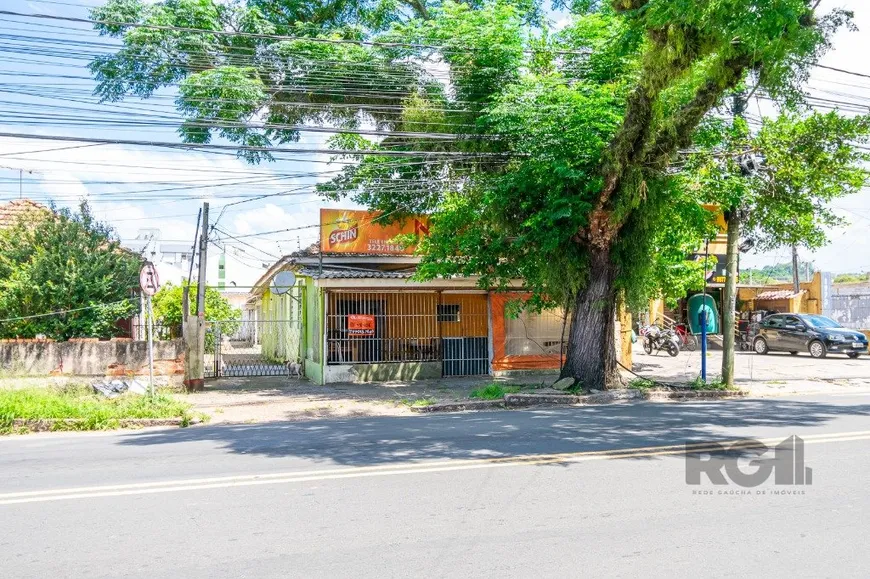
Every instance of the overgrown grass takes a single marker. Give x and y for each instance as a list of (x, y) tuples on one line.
[(641, 384), (419, 402), (713, 383), (91, 411), (493, 392)]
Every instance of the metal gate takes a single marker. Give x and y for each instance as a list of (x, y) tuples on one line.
[(251, 347), (465, 356)]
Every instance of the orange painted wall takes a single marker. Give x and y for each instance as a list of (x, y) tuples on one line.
[(500, 361)]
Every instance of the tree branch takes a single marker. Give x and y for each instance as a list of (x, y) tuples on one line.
[(626, 5), (419, 6), (678, 133), (672, 54)]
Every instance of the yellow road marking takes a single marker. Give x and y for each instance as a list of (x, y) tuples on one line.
[(400, 469)]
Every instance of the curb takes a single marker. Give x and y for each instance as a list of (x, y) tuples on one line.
[(599, 398), (49, 424), (526, 400), (460, 406), (658, 395)]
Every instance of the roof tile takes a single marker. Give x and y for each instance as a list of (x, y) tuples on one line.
[(14, 210), (331, 273)]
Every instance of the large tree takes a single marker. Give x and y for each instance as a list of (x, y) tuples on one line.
[(561, 143), (64, 261)]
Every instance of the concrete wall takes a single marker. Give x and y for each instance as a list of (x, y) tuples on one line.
[(90, 357), (810, 302), (313, 316), (381, 372), (313, 371)]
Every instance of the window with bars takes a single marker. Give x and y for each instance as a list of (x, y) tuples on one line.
[(365, 327), (402, 326), (448, 312)]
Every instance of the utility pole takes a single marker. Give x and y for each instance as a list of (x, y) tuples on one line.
[(194, 327), (732, 218), (729, 321), (795, 269), (203, 255)]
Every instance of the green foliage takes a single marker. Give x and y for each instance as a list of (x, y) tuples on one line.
[(590, 120), (167, 304), (55, 261), (852, 278), (807, 162), (641, 384), (774, 274), (422, 402), (492, 392), (712, 383), (91, 411)]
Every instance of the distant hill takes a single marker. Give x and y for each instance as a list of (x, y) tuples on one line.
[(779, 273), (852, 278)]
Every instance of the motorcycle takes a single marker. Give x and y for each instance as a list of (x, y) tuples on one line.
[(657, 339)]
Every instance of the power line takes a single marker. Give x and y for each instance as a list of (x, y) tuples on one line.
[(345, 152), (50, 150), (843, 71), (59, 312), (272, 36)]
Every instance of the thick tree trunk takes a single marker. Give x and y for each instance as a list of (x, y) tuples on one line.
[(591, 358)]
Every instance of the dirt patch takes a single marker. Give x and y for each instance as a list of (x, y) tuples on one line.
[(247, 400)]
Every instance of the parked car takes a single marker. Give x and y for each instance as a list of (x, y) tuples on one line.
[(818, 335)]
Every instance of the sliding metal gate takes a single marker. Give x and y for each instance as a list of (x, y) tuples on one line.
[(251, 348)]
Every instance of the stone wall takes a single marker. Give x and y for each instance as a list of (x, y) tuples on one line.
[(90, 357)]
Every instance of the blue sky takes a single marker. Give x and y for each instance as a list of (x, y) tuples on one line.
[(120, 181)]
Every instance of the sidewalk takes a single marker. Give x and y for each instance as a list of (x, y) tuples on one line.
[(750, 367), (804, 387), (281, 398), (251, 400)]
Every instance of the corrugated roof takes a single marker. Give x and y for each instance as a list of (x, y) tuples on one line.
[(12, 211), (328, 273), (777, 295)]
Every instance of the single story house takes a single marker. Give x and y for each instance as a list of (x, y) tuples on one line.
[(356, 314)]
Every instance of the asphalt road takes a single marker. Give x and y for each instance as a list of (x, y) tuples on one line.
[(471, 495)]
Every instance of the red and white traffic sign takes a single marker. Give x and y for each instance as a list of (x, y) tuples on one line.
[(149, 281)]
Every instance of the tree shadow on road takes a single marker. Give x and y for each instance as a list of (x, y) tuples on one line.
[(385, 440)]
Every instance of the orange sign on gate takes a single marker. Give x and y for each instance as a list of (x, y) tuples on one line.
[(350, 231), (360, 325)]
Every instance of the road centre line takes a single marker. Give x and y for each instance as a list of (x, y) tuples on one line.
[(408, 468)]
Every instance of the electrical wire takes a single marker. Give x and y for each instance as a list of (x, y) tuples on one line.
[(224, 33), (363, 152), (60, 312)]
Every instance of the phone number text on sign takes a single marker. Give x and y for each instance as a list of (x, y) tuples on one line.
[(360, 325)]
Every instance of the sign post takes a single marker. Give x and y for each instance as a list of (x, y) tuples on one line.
[(149, 282)]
